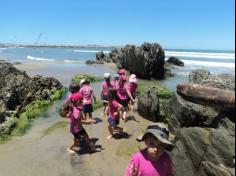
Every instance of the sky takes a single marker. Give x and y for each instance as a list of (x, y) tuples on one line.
[(177, 24)]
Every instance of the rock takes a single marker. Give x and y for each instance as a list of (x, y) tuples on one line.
[(199, 151), (221, 81), (146, 61), (91, 62), (175, 61), (17, 90), (148, 105), (190, 114), (207, 96)]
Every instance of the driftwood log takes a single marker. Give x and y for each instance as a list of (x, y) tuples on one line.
[(208, 96)]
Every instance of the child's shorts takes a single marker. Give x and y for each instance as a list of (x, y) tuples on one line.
[(104, 97), (88, 108), (113, 122), (79, 134), (124, 103)]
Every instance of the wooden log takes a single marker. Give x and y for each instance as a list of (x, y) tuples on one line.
[(207, 96)]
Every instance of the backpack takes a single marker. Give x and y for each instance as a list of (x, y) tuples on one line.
[(65, 109)]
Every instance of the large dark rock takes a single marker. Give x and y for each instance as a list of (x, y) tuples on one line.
[(205, 152), (17, 90), (175, 61), (146, 61), (148, 106), (221, 81)]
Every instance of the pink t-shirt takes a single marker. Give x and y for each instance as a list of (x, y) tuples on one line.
[(122, 92), (132, 88), (87, 92), (105, 87), (115, 84), (73, 119), (145, 167), (113, 107)]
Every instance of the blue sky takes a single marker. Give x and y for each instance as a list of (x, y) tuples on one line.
[(186, 24)]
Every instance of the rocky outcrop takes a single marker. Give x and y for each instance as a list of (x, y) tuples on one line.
[(146, 61), (175, 61), (208, 96), (202, 151), (221, 81), (17, 90), (148, 105)]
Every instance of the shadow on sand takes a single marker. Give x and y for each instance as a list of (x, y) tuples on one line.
[(85, 149)]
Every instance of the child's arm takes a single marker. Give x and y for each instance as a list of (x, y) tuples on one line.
[(94, 97), (130, 96)]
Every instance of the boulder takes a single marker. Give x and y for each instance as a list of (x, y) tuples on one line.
[(17, 90), (146, 61), (221, 81), (175, 61), (148, 105), (205, 152), (218, 98)]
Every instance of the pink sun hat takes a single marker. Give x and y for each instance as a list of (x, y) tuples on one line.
[(76, 97), (133, 79)]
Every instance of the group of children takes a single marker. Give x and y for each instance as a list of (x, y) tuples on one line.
[(118, 97)]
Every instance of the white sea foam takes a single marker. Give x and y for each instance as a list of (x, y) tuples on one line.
[(40, 59), (90, 51), (201, 55), (73, 61), (208, 64)]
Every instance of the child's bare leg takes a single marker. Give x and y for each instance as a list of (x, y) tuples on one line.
[(73, 144), (110, 129)]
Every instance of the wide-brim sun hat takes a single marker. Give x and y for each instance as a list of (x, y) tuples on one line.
[(162, 134), (133, 79)]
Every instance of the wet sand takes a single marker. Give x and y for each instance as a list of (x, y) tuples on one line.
[(37, 154)]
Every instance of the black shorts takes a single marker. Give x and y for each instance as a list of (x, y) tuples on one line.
[(124, 103), (79, 134), (104, 97), (88, 108)]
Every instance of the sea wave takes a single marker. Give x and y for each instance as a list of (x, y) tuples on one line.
[(39, 59), (3, 48), (90, 51), (73, 61), (208, 64), (201, 55)]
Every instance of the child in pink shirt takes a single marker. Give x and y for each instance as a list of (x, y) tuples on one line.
[(123, 94), (114, 111), (115, 81), (132, 87), (154, 160), (106, 86), (76, 121), (87, 92)]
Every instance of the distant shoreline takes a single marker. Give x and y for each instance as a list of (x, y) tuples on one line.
[(58, 46)]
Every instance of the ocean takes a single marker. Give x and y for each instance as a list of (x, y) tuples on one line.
[(213, 60)]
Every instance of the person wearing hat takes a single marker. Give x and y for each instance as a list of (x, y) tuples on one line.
[(75, 119), (123, 94), (154, 160), (132, 87), (106, 86), (115, 81)]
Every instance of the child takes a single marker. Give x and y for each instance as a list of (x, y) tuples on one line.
[(106, 85), (121, 72), (73, 88), (87, 93), (115, 82), (132, 86), (114, 109), (154, 159), (123, 94), (75, 120)]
